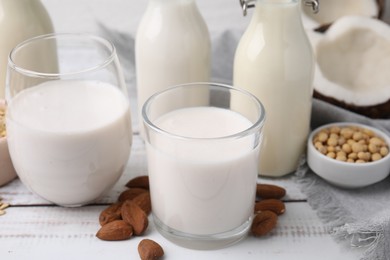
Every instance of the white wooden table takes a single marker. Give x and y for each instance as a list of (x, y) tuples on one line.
[(33, 228)]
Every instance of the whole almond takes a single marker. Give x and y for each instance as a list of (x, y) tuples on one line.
[(131, 194), (135, 216), (149, 250), (110, 214), (263, 223), (143, 201), (269, 191), (115, 230), (139, 182), (274, 205)]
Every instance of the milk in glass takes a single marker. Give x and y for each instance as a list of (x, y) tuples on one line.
[(69, 135), (202, 186)]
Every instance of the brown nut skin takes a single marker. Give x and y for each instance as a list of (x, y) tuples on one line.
[(143, 201), (135, 216), (269, 191), (274, 205), (150, 250), (111, 213), (115, 230), (131, 194), (139, 182), (263, 223)]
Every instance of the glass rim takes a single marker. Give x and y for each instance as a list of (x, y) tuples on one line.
[(250, 130), (32, 73)]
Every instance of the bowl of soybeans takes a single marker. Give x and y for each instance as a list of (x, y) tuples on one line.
[(349, 155)]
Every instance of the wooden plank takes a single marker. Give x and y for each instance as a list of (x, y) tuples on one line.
[(66, 233)]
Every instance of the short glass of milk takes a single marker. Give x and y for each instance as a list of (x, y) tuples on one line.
[(68, 121), (202, 162)]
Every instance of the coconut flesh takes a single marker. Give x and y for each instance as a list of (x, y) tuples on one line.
[(353, 62)]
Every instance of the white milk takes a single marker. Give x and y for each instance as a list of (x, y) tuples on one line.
[(172, 47), (19, 21), (69, 140), (274, 62), (198, 186)]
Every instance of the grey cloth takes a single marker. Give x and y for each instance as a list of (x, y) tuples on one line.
[(360, 217)]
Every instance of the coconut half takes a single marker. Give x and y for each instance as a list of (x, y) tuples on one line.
[(353, 65), (332, 10)]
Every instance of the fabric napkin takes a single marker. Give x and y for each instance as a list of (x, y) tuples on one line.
[(359, 217)]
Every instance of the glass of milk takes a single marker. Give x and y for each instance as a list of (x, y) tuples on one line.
[(202, 162), (68, 121)]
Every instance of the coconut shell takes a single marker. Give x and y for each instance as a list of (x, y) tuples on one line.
[(323, 28), (375, 111), (381, 9)]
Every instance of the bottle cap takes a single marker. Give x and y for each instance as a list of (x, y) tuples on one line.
[(245, 4)]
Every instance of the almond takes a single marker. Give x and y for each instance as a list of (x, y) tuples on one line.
[(139, 182), (274, 205), (149, 250), (143, 201), (131, 194), (115, 230), (110, 214), (269, 191), (135, 216), (263, 223)]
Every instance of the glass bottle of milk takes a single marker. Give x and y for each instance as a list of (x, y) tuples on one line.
[(19, 20), (172, 47), (274, 61)]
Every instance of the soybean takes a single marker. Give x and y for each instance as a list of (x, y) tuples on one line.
[(351, 144), (2, 122)]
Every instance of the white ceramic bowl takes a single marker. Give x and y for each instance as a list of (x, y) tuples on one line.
[(7, 171), (345, 174)]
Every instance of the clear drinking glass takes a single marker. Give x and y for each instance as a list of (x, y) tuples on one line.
[(202, 154), (68, 119)]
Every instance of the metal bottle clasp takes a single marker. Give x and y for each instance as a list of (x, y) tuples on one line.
[(245, 4), (315, 5)]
